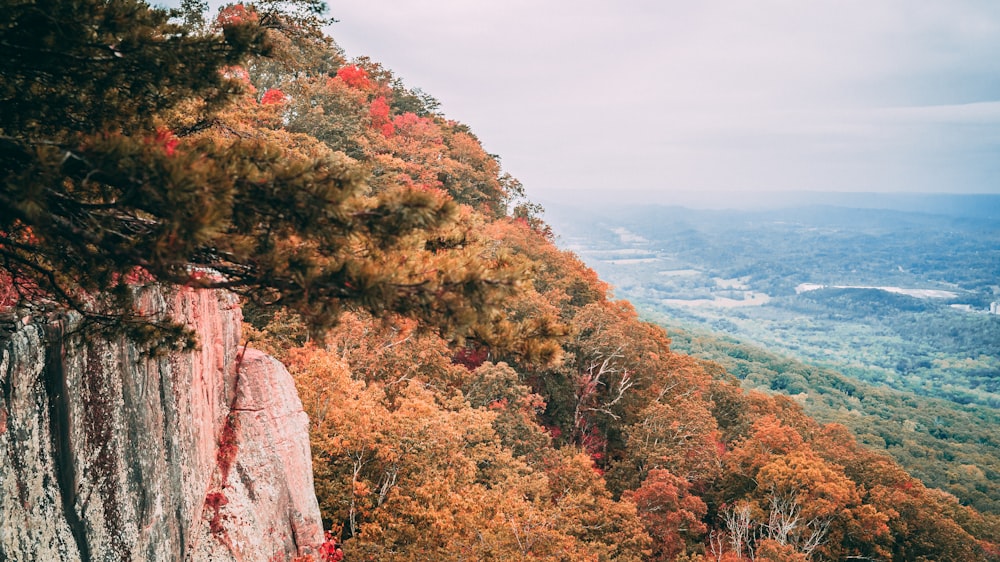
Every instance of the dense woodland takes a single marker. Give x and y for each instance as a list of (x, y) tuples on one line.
[(473, 392), (946, 446)]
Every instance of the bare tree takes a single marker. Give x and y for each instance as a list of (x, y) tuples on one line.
[(740, 524)]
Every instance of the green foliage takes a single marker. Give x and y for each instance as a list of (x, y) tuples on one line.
[(93, 67), (90, 192), (947, 447)]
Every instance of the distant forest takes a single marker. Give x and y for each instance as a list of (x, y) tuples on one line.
[(912, 374)]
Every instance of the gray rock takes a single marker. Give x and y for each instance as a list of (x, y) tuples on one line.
[(108, 455)]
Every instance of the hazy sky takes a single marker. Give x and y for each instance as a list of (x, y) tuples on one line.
[(672, 96), (866, 95)]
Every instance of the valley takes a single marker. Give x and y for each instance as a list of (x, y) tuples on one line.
[(878, 319), (897, 298)]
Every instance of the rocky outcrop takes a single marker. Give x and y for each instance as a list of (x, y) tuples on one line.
[(106, 454)]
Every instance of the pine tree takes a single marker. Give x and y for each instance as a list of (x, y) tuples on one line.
[(104, 187)]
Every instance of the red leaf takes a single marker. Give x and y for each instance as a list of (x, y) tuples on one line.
[(273, 96), (354, 76)]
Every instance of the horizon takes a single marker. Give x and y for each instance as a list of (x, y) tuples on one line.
[(977, 205)]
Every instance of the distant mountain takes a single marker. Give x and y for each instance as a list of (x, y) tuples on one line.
[(983, 206), (980, 206)]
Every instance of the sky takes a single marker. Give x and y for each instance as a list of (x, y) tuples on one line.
[(671, 97), (665, 99)]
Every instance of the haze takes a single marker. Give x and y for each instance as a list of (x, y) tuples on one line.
[(667, 100)]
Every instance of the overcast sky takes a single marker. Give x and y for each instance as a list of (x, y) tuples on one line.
[(824, 95)]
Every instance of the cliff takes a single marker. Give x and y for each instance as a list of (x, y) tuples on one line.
[(109, 455)]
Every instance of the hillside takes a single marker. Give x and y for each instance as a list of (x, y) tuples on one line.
[(473, 391), (947, 447), (576, 430)]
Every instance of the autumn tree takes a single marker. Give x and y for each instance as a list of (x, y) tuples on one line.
[(560, 276), (393, 351), (613, 530), (678, 436), (498, 388), (671, 514), (424, 475)]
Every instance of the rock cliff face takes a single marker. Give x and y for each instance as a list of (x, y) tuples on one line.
[(107, 455)]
